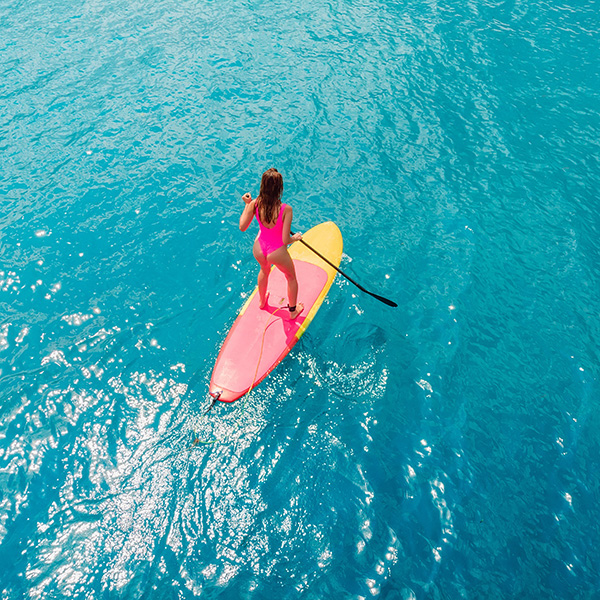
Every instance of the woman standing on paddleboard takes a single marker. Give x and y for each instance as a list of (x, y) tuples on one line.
[(270, 247)]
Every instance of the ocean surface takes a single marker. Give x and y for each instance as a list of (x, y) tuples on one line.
[(445, 449)]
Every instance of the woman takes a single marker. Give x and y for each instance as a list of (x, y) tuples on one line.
[(270, 246)]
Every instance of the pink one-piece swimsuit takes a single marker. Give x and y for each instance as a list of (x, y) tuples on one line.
[(271, 239)]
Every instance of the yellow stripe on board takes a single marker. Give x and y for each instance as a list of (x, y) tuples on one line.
[(326, 238)]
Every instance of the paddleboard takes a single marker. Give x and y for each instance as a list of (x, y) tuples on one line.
[(259, 339)]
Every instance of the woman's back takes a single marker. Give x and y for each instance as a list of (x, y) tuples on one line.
[(270, 236)]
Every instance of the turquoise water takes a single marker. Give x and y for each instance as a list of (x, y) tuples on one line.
[(444, 449)]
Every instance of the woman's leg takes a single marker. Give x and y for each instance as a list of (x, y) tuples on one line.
[(263, 275), (283, 261)]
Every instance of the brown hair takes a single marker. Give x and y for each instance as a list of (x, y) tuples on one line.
[(269, 197)]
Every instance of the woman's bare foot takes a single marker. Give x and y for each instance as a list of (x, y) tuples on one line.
[(264, 302), (297, 311)]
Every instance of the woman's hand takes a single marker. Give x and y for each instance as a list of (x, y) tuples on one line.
[(297, 237), (248, 212)]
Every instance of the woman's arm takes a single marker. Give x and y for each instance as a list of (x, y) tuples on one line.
[(248, 213), (287, 225)]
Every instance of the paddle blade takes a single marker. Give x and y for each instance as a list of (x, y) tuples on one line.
[(384, 300)]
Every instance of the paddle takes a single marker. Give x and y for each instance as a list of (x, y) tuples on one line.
[(360, 287)]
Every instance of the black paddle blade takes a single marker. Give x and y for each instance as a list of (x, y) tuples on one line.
[(384, 300)]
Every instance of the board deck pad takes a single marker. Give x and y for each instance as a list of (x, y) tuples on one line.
[(260, 338)]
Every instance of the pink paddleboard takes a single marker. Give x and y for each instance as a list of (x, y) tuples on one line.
[(259, 339)]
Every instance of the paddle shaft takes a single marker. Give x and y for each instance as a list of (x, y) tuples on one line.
[(360, 287)]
